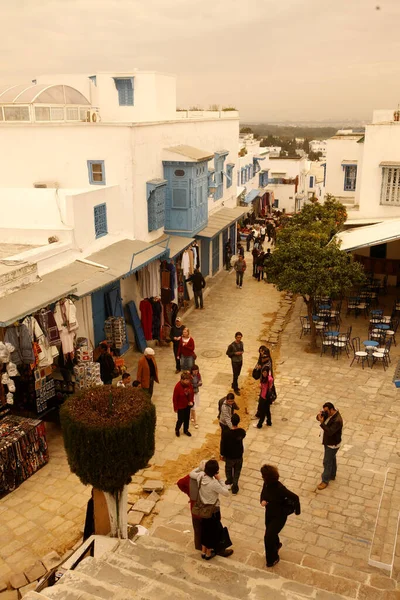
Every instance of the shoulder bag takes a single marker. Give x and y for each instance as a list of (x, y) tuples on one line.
[(200, 509), (256, 374)]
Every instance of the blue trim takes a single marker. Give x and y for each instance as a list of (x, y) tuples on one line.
[(350, 178), (93, 79), (252, 195), (90, 164), (100, 220)]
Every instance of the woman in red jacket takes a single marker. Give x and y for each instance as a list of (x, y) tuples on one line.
[(183, 400), (186, 353)]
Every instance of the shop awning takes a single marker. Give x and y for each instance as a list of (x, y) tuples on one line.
[(252, 195), (349, 163), (176, 244), (121, 259), (372, 235), (49, 289), (221, 220)]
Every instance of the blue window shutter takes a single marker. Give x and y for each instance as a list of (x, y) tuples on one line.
[(125, 91), (156, 191), (96, 171), (93, 79), (311, 181), (100, 220)]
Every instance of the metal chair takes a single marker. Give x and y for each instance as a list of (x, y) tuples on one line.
[(391, 333), (327, 342), (386, 351), (383, 355), (305, 326), (339, 345), (358, 353)]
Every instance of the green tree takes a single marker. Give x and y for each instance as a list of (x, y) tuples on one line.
[(108, 436), (307, 261), (246, 130)]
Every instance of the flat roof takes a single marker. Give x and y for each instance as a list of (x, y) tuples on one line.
[(191, 152), (8, 250)]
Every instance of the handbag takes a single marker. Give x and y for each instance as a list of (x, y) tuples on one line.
[(256, 374), (200, 509), (288, 506)]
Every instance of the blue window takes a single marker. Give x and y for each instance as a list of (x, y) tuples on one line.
[(263, 178), (219, 161), (125, 90), (238, 177), (156, 190), (311, 181), (100, 220), (97, 174), (350, 178), (229, 172)]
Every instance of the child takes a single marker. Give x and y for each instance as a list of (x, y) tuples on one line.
[(265, 400), (196, 383)]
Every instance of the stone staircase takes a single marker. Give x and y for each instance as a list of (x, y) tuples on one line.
[(165, 566)]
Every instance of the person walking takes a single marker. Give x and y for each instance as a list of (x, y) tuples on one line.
[(240, 267), (240, 250), (198, 283), (210, 487), (183, 400), (235, 352), (264, 401), (260, 266), (107, 366), (255, 254), (233, 453), (226, 407), (228, 254), (196, 383), (279, 502), (263, 231), (331, 423), (249, 239), (186, 353), (147, 371), (175, 337)]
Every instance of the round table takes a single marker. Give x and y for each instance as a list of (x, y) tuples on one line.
[(332, 333), (324, 307), (382, 326), (371, 343)]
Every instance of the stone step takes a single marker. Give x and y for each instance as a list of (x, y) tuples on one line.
[(386, 533), (295, 566)]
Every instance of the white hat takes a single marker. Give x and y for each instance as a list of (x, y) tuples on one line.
[(149, 352), (178, 319)]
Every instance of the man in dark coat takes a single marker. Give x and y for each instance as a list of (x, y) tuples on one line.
[(175, 337), (199, 284)]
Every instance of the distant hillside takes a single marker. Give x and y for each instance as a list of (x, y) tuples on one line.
[(290, 132)]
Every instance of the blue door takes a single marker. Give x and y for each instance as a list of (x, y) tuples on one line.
[(233, 238), (215, 255), (205, 257)]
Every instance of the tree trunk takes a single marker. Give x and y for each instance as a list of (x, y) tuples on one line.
[(117, 505), (313, 331)]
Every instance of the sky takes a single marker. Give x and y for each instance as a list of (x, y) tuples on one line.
[(274, 60)]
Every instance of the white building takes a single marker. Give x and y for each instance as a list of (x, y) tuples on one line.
[(252, 174), (288, 182), (363, 171), (319, 146), (123, 171), (274, 151)]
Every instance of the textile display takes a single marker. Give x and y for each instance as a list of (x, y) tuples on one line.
[(23, 450)]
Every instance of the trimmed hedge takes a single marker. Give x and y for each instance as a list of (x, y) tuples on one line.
[(108, 435)]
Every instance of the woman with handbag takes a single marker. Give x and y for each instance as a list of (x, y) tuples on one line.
[(264, 401), (207, 506), (186, 353), (279, 502)]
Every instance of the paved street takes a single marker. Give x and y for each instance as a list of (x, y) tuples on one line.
[(47, 511)]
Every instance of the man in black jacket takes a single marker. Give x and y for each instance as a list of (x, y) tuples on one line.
[(331, 423), (199, 284), (175, 337), (235, 353)]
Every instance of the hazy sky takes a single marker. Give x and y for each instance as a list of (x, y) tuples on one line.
[(272, 59)]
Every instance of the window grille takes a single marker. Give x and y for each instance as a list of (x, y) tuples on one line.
[(390, 191), (100, 220)]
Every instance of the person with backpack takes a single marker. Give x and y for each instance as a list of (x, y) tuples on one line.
[(279, 502)]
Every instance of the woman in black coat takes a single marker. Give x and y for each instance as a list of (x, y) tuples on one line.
[(279, 502)]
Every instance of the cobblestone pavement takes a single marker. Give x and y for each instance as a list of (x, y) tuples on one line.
[(47, 511)]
